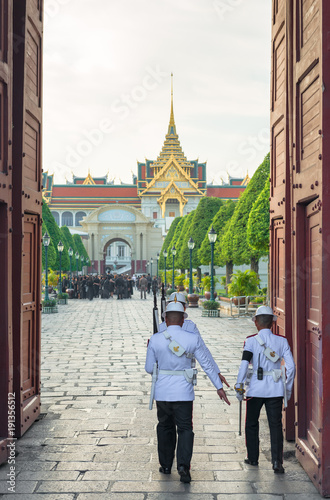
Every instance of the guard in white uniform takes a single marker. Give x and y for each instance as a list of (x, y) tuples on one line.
[(170, 354), (191, 327), (269, 381)]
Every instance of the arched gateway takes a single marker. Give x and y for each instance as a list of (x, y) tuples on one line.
[(121, 239)]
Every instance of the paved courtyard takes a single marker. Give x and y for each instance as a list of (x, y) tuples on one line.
[(96, 440)]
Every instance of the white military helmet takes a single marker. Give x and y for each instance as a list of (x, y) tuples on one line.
[(266, 310), (175, 307), (180, 297)]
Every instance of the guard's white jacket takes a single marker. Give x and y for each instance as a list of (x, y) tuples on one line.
[(174, 387), (267, 388), (191, 327)]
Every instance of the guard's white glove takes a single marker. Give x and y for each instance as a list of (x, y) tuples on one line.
[(239, 392)]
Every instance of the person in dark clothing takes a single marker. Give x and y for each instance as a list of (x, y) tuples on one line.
[(125, 288), (90, 288), (149, 282), (111, 285), (96, 286), (119, 287), (106, 289), (154, 285), (130, 287), (65, 284)]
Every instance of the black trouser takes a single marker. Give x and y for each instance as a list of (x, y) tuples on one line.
[(274, 415), (175, 417)]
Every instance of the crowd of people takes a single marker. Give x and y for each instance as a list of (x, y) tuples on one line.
[(110, 286)]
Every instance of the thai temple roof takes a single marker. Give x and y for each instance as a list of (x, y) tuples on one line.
[(172, 146)]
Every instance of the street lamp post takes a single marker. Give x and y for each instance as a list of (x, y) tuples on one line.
[(173, 253), (46, 241), (157, 265), (212, 238), (191, 245), (82, 258), (60, 248), (165, 255), (70, 252), (77, 258), (151, 262)]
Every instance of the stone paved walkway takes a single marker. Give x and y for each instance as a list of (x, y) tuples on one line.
[(96, 438)]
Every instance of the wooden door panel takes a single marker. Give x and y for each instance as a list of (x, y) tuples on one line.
[(30, 339), (313, 301), (29, 368), (308, 25), (31, 164), (3, 127)]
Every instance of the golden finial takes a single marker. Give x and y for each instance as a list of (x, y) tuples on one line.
[(172, 123), (175, 299)]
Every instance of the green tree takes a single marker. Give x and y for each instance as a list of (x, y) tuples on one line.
[(237, 248), (81, 250), (67, 238), (167, 241), (51, 252), (187, 220), (258, 223), (224, 252), (55, 235), (201, 220), (218, 223)]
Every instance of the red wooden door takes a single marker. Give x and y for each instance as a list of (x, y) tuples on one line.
[(280, 200), (6, 348), (30, 338), (27, 116), (309, 342)]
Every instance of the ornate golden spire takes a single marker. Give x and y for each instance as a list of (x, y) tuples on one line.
[(171, 127)]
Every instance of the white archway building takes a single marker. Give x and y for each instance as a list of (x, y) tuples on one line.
[(108, 225)]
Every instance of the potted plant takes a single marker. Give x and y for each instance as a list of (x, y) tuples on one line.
[(206, 284), (211, 309), (49, 306), (62, 298), (243, 284), (169, 291), (179, 282)]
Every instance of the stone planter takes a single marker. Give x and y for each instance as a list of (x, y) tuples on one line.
[(180, 288), (193, 300), (225, 299), (241, 301), (207, 295), (62, 302), (50, 310), (213, 313)]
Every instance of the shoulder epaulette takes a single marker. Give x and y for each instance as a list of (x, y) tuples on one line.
[(252, 335)]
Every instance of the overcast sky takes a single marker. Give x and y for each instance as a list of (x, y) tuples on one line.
[(107, 84)]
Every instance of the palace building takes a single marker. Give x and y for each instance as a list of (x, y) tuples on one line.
[(110, 216)]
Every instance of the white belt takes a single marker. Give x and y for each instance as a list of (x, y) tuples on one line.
[(171, 372), (190, 374), (276, 374)]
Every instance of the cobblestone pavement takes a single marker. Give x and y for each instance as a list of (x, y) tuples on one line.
[(96, 440)]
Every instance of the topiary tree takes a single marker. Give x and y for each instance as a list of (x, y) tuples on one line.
[(67, 238), (51, 252), (181, 238), (238, 249), (167, 241), (55, 235), (218, 223), (81, 250), (258, 223), (202, 218), (224, 252)]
